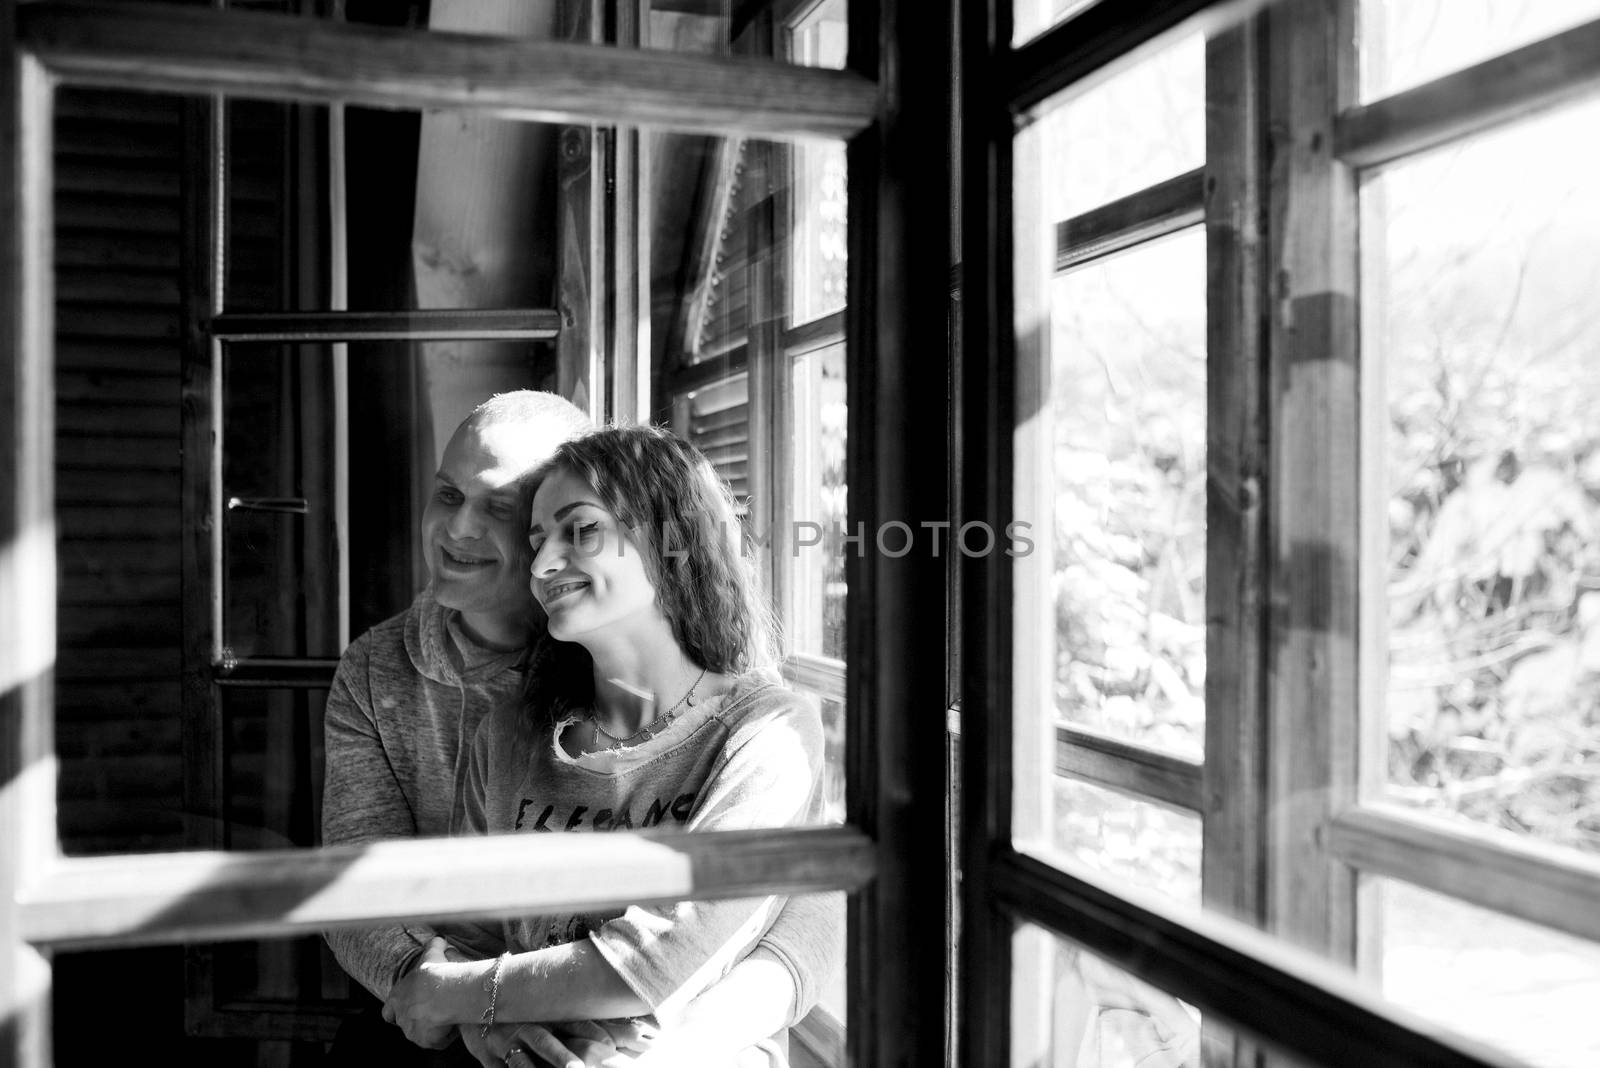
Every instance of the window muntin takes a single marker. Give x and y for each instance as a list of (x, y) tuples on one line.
[(1405, 43), (1481, 265)]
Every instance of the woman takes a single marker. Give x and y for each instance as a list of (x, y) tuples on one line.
[(650, 702)]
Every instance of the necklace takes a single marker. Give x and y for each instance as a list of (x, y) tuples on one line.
[(649, 730)]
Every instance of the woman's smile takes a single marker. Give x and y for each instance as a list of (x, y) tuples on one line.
[(555, 591)]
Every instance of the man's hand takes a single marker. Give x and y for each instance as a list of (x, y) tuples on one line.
[(421, 1002)]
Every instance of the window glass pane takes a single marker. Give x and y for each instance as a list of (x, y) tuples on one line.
[(1483, 261), (816, 598), (821, 38), (1128, 407), (280, 578), (118, 445), (1407, 42), (1139, 127), (1527, 989), (283, 1000), (817, 247), (817, 240), (270, 752), (1151, 845), (1030, 18)]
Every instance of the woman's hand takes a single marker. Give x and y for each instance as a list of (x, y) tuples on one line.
[(579, 1044), (436, 995)]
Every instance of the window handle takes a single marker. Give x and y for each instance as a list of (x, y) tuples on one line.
[(292, 505)]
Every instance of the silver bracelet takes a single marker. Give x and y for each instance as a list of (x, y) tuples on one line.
[(492, 985)]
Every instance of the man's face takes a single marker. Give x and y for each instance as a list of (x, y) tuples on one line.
[(474, 529)]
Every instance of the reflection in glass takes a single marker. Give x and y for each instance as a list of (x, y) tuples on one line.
[(1148, 844), (1483, 261), (1407, 42), (118, 247), (1128, 403), (271, 744), (1072, 1009), (821, 37), (816, 601), (1141, 126), (1527, 989)]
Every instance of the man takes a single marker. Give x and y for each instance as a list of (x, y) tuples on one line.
[(409, 695), (410, 692)]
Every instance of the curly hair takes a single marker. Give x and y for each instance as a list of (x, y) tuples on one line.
[(680, 516)]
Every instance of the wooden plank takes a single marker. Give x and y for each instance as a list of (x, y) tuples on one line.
[(1313, 466), (1521, 877), (1108, 761), (214, 895), (1311, 1010), (1162, 209), (1510, 86), (532, 324), (898, 244), (188, 50)]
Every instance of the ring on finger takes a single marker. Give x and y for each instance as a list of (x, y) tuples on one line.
[(513, 1051)]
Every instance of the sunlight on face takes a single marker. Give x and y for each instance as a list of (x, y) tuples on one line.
[(587, 573)]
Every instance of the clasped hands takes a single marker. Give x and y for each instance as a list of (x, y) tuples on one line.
[(445, 993)]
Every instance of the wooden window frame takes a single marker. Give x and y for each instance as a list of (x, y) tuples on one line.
[(1293, 708), (53, 901)]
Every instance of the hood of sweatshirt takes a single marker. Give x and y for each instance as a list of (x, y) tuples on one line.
[(441, 649)]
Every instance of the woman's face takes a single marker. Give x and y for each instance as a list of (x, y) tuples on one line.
[(587, 572)]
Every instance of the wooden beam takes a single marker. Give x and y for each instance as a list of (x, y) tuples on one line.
[(983, 382), (1293, 1001), (27, 532), (1130, 768), (1538, 882), (526, 324), (1313, 461), (1162, 209), (898, 239), (186, 897), (1539, 75), (183, 49), (1234, 777)]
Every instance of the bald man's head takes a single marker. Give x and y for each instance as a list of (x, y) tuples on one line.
[(474, 528)]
